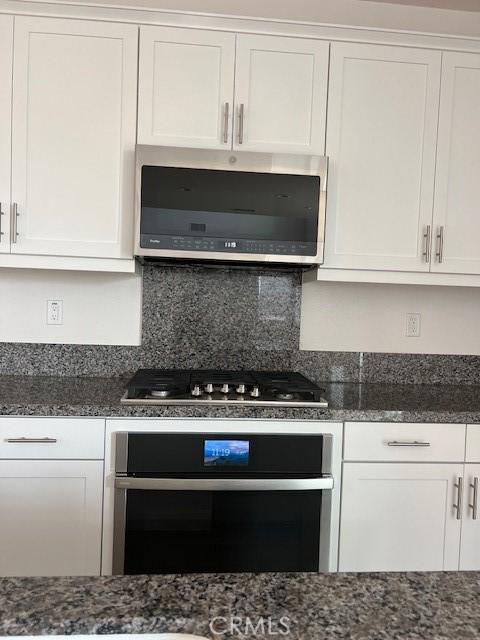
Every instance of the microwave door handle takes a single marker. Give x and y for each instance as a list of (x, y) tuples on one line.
[(225, 484)]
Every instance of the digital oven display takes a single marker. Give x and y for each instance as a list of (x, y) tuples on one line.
[(226, 453)]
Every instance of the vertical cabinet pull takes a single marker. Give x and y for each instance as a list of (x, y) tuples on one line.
[(241, 117), (474, 505), (459, 487), (427, 238), (1, 214), (226, 110), (439, 253), (13, 222)]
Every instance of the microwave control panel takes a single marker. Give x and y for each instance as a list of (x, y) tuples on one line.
[(191, 243)]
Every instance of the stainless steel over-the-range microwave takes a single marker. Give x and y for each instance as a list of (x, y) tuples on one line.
[(198, 204)]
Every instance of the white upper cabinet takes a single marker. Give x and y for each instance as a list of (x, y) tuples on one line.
[(73, 137), (185, 87), (457, 190), (381, 140), (6, 53), (280, 94), (196, 90)]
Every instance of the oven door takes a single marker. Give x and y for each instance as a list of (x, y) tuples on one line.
[(166, 525)]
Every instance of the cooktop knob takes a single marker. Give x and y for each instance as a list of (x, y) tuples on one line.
[(241, 389), (255, 392), (225, 388), (196, 391), (209, 388)]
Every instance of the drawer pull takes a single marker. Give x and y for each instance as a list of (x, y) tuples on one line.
[(474, 505), (408, 443), (31, 440)]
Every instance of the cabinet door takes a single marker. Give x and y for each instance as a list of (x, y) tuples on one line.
[(457, 185), (185, 87), (51, 517), (6, 58), (73, 145), (281, 94), (470, 545), (399, 517), (381, 140)]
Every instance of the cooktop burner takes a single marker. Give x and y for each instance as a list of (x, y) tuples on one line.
[(203, 386)]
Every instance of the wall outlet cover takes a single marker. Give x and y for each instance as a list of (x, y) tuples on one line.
[(54, 311), (413, 325)]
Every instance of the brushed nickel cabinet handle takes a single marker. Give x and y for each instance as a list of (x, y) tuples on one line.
[(1, 214), (459, 486), (408, 443), (241, 117), (13, 222), (439, 252), (427, 237), (226, 110), (31, 440), (474, 505)]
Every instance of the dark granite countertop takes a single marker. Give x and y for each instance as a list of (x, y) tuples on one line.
[(401, 606), (65, 396)]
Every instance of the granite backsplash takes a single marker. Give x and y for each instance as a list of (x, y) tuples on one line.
[(232, 318)]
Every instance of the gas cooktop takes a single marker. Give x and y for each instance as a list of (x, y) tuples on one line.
[(194, 386)]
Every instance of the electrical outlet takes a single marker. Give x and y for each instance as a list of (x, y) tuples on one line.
[(413, 325), (54, 311)]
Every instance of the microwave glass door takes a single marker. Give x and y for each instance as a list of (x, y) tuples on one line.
[(221, 531), (229, 211)]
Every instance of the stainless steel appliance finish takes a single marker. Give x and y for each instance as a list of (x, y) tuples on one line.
[(217, 400), (220, 388), (150, 466), (228, 161)]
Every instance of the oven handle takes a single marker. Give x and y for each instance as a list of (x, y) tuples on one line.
[(225, 484)]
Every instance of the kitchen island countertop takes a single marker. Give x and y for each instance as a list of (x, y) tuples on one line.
[(400, 606), (67, 396)]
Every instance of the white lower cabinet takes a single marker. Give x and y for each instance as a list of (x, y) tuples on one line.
[(470, 545), (400, 517), (51, 494), (51, 517)]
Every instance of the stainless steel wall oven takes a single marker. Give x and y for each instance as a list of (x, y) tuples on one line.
[(212, 503)]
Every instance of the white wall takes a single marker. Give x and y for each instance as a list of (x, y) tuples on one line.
[(345, 12), (98, 308), (372, 317)]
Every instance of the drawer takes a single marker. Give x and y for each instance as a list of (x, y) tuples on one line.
[(404, 442), (473, 443), (52, 438)]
